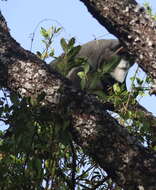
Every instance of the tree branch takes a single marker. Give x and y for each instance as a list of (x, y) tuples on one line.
[(130, 23), (127, 162)]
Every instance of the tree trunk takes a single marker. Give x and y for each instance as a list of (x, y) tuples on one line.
[(126, 161)]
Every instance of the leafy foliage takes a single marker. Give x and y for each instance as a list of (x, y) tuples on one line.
[(149, 10), (37, 153), (37, 150)]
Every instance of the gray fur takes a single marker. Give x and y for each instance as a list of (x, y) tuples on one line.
[(97, 52)]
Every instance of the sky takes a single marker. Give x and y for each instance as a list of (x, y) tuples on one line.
[(23, 16)]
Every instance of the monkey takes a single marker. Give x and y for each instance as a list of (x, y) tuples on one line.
[(98, 54)]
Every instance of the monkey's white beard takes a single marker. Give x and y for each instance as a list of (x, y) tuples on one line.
[(120, 72)]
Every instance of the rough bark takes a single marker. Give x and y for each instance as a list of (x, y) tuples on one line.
[(148, 117), (129, 23), (127, 162)]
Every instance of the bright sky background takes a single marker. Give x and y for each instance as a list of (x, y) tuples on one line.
[(24, 15)]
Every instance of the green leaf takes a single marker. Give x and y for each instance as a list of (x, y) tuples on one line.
[(132, 78), (52, 52), (116, 88), (81, 74), (83, 79), (44, 33), (64, 45), (71, 42), (139, 81), (109, 65), (73, 52), (94, 81), (86, 68), (83, 83), (44, 42), (56, 30)]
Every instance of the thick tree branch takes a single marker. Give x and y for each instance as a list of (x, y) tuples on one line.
[(129, 22), (112, 147), (147, 117)]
